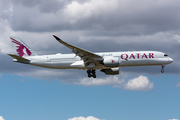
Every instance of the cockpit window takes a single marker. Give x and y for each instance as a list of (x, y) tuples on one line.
[(165, 55)]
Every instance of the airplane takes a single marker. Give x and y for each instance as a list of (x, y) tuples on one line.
[(107, 62)]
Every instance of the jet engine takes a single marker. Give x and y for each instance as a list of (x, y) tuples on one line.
[(110, 62), (111, 71)]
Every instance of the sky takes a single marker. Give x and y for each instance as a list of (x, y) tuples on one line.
[(137, 93)]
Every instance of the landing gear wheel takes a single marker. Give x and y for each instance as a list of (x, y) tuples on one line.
[(91, 73), (94, 76)]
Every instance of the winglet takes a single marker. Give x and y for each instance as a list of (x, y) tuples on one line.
[(57, 38), (62, 42)]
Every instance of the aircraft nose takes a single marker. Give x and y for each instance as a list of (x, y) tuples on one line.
[(171, 60)]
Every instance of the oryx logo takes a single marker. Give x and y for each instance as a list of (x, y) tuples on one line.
[(21, 49), (113, 61)]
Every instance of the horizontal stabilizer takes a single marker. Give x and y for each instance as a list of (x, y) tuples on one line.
[(18, 58)]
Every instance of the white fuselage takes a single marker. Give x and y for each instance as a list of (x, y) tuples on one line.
[(71, 61)]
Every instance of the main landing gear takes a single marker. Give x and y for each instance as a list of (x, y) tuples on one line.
[(91, 73), (162, 70)]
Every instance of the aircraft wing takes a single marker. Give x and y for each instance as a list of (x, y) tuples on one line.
[(86, 56)]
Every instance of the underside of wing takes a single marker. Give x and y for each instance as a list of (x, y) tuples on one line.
[(89, 58)]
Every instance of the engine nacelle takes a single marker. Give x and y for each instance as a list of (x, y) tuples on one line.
[(111, 62), (111, 71)]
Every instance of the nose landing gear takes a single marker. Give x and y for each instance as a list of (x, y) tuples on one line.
[(91, 73), (162, 70)]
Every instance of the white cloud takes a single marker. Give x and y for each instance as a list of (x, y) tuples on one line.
[(76, 11), (140, 83), (83, 118), (172, 119), (5, 30), (1, 118), (90, 8), (111, 80)]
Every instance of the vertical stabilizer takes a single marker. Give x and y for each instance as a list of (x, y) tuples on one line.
[(21, 48)]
